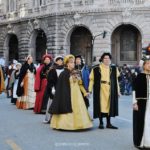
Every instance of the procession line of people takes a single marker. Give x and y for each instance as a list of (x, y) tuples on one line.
[(60, 89)]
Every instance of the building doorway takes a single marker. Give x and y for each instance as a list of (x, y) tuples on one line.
[(81, 43), (126, 45)]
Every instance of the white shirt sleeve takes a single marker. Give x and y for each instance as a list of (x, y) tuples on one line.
[(134, 99)]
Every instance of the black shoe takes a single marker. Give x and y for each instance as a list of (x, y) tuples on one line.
[(111, 127), (101, 126)]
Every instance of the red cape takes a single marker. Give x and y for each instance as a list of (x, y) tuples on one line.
[(37, 83)]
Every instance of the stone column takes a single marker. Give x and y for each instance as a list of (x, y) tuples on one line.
[(23, 43)]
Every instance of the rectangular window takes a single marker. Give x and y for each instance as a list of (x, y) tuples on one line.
[(38, 3), (33, 3), (7, 6), (11, 5), (41, 2)]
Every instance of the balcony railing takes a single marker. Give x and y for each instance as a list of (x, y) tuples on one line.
[(126, 1), (54, 6)]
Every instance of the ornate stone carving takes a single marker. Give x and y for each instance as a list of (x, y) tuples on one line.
[(127, 13), (10, 28), (29, 23), (36, 24), (77, 18)]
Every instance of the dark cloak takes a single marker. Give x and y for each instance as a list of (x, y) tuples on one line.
[(62, 100), (113, 93), (52, 79), (23, 71), (140, 88)]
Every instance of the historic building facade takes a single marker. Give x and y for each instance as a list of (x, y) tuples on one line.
[(74, 26)]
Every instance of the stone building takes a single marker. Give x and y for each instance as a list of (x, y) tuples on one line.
[(74, 26)]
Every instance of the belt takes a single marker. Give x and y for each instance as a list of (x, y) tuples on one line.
[(105, 82)]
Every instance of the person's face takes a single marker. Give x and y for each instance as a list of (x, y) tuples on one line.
[(106, 60), (147, 66), (47, 61), (78, 61), (59, 62), (30, 60), (71, 64)]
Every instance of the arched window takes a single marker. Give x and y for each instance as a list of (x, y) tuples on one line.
[(38, 44), (81, 43), (13, 47), (126, 45), (11, 5)]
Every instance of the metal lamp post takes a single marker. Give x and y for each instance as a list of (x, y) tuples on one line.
[(93, 40)]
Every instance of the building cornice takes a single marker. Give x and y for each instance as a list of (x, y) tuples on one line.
[(72, 12)]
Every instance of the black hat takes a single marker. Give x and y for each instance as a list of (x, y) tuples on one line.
[(78, 56), (103, 55)]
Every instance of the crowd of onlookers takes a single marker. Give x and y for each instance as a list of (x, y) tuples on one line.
[(127, 76)]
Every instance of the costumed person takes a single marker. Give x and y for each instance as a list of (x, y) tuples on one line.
[(84, 70), (52, 78), (2, 82), (41, 83), (2, 64), (10, 69), (12, 80), (104, 82), (141, 108), (15, 84), (25, 89), (68, 108)]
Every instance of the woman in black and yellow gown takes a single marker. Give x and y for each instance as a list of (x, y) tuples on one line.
[(68, 107)]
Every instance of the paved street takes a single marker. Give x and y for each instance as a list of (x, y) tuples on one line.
[(23, 130)]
